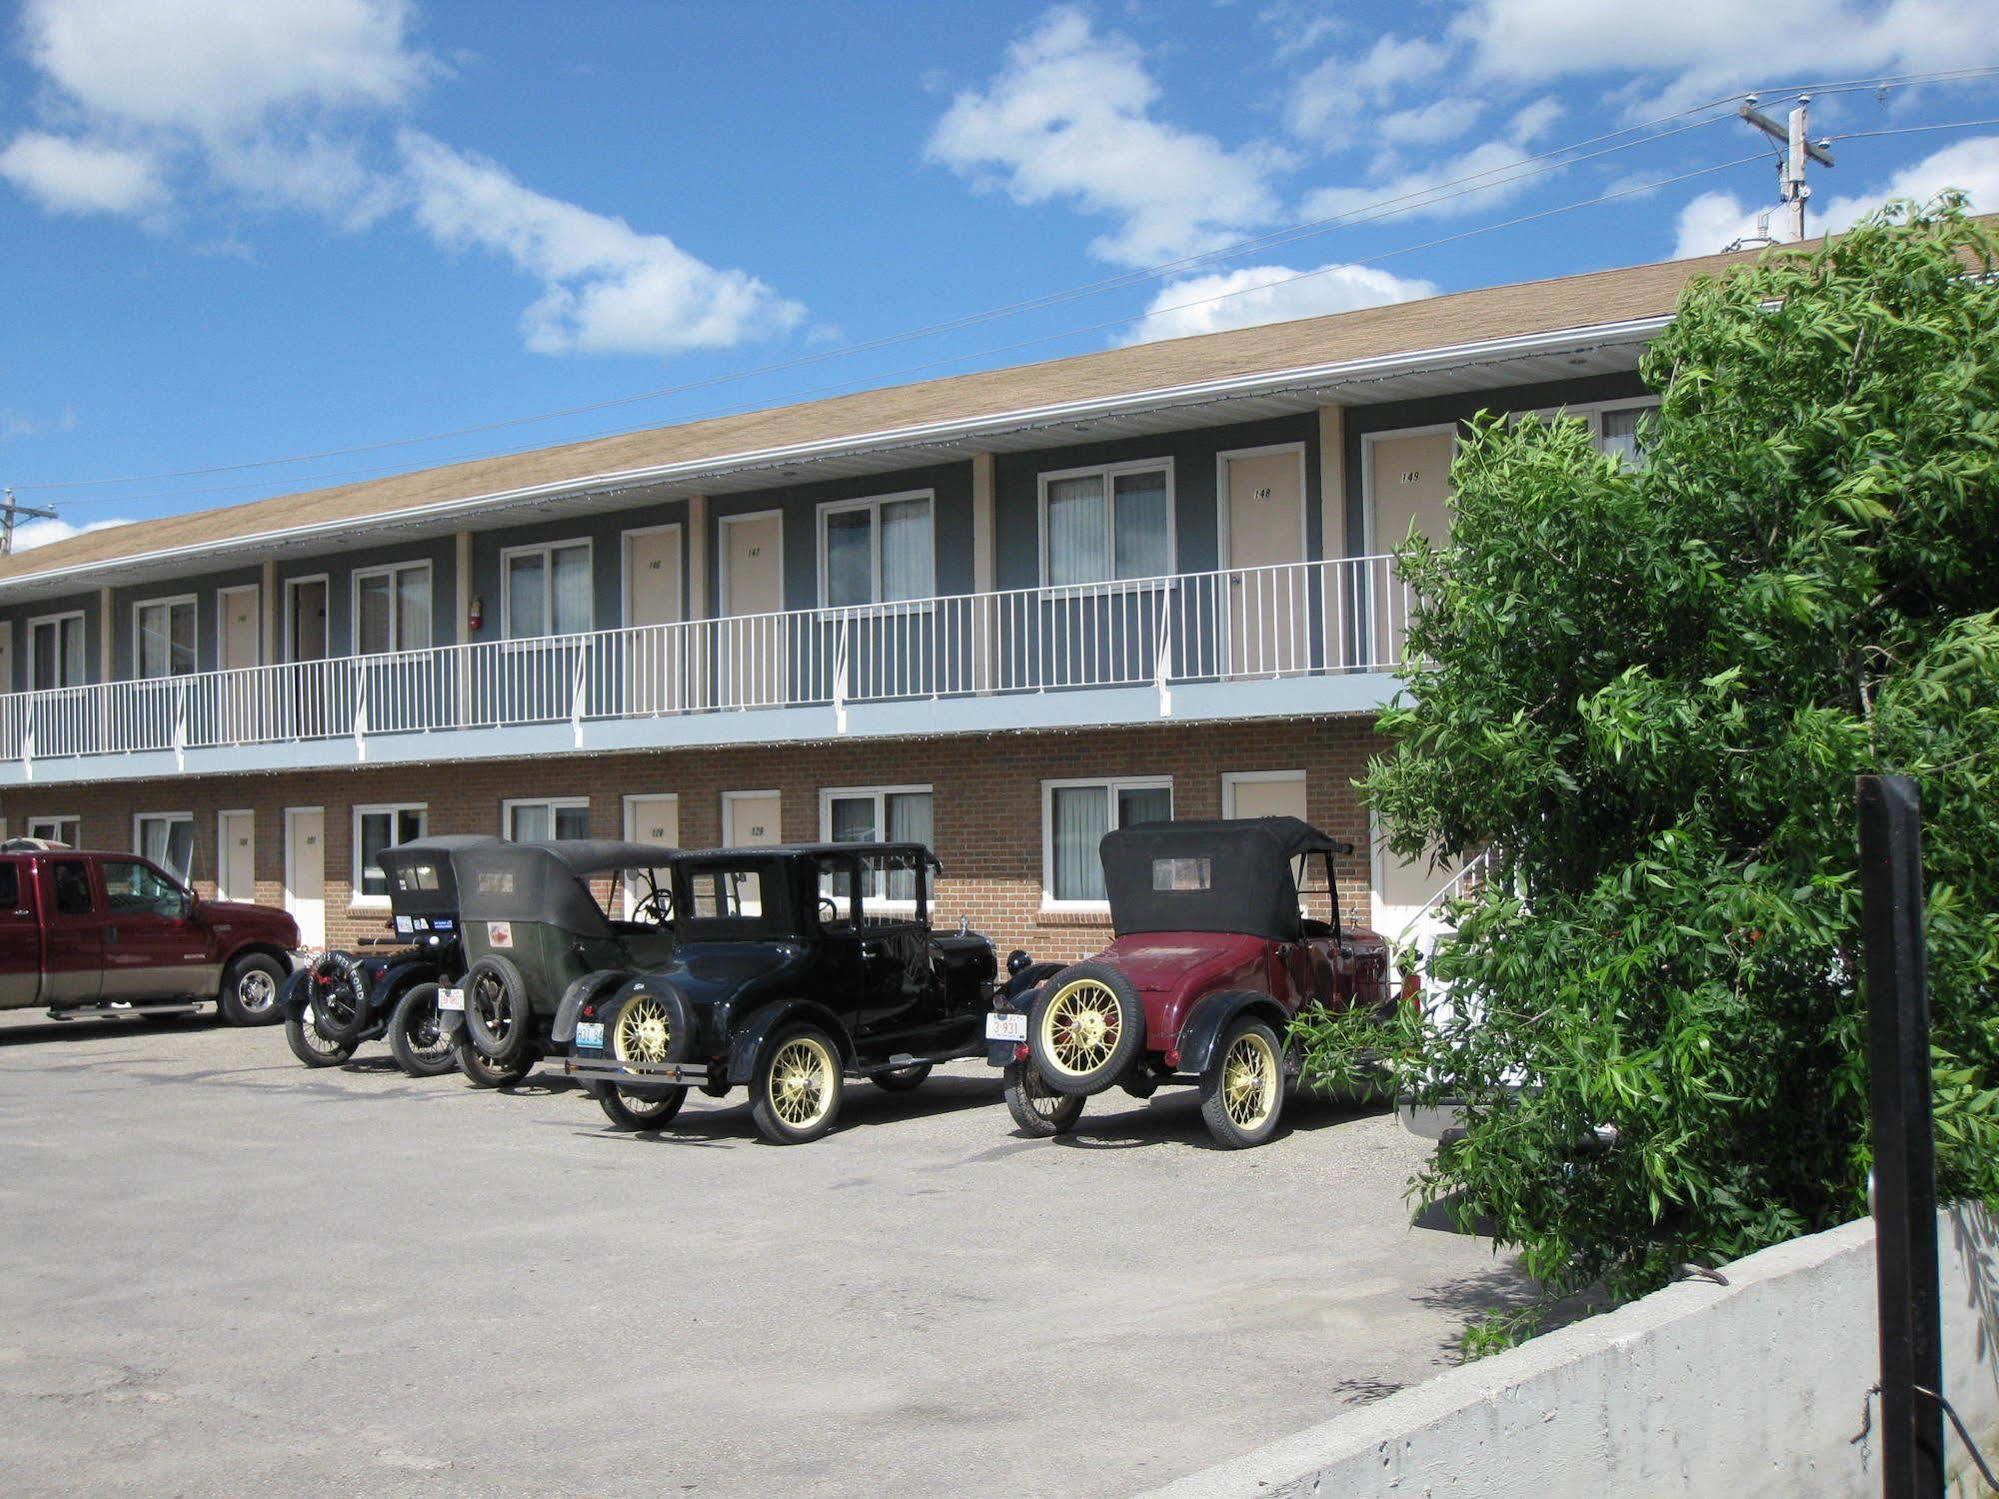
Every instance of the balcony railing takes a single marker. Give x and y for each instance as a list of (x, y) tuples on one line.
[(1304, 619)]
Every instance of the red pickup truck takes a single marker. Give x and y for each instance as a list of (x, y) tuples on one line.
[(90, 933)]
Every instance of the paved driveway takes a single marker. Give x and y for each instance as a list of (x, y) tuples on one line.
[(221, 1273)]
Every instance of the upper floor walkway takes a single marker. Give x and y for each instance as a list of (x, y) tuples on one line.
[(1303, 638)]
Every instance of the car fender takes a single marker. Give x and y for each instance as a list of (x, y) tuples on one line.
[(1212, 1014), (397, 980), (601, 985), (746, 1046), (295, 993)]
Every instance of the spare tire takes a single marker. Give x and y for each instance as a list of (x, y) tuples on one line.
[(650, 1026), (497, 1014), (339, 1001), (1086, 1028)]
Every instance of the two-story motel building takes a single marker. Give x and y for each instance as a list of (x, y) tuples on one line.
[(1000, 612)]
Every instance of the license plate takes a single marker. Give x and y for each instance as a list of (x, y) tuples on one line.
[(1006, 1027), (451, 999), (590, 1033)]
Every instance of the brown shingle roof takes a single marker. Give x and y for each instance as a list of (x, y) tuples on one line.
[(1588, 300)]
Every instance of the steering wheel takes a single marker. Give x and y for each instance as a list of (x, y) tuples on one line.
[(829, 911), (656, 907)]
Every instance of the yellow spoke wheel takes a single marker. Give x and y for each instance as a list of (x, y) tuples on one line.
[(644, 1033), (799, 1087), (1249, 1080), (1242, 1091), (1081, 1026)]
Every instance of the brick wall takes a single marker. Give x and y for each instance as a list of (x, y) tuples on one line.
[(987, 806)]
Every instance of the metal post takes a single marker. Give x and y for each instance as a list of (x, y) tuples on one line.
[(1905, 1188)]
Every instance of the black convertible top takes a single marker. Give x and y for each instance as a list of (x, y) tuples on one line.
[(1221, 876), (547, 882), (422, 879)]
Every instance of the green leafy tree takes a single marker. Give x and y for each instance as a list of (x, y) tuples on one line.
[(1649, 693)]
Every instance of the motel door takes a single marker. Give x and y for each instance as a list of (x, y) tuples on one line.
[(753, 642), (656, 668), (236, 856), (649, 819), (752, 820), (239, 647), (305, 873), (1270, 609), (1410, 484), (305, 629)]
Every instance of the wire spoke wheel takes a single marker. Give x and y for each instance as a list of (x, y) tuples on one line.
[(643, 1034), (1081, 1026), (801, 1082), (425, 1034), (1249, 1080), (486, 996)]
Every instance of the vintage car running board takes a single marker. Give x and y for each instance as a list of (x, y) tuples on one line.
[(901, 1060), (108, 1007)]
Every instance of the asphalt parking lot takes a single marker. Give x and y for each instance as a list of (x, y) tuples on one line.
[(222, 1273)]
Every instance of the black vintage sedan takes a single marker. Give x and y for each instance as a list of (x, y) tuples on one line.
[(797, 968)]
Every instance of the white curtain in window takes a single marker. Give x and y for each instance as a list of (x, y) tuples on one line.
[(527, 596), (908, 568), (1136, 804), (909, 821), (1620, 435), (413, 609), (1081, 816), (1142, 540), (572, 590), (530, 823), (850, 557), (169, 843), (56, 654), (1076, 531), (372, 630)]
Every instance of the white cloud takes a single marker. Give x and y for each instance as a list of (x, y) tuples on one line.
[(294, 105), (30, 534), (1491, 163), (219, 67), (1069, 118), (19, 424), (67, 176), (1714, 220), (1267, 294), (1701, 48), (1329, 103), (607, 288), (1430, 124)]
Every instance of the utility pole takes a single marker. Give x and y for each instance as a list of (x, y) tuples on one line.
[(9, 512), (1797, 152)]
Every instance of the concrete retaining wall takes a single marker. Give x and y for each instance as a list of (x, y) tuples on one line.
[(1757, 1387)]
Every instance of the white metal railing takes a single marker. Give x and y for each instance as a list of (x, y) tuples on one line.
[(1301, 619)]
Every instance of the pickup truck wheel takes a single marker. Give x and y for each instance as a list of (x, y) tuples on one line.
[(485, 1072), (1085, 1029), (415, 1039), (1242, 1092), (250, 990), (1038, 1109), (902, 1080), (310, 1045), (496, 1009), (795, 1096), (629, 1110)]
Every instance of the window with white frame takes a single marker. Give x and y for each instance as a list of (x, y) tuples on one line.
[(67, 829), (55, 651), (166, 838), (1101, 524), (163, 637), (547, 589), (878, 814), (550, 817), (1075, 815), (392, 608), (877, 551), (377, 828), (1620, 432)]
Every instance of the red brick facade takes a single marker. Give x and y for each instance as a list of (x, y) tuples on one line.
[(987, 804)]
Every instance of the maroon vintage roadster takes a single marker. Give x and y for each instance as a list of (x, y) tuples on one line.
[(1213, 958)]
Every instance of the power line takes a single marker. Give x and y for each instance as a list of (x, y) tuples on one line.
[(1635, 190), (1504, 175), (1488, 179), (1863, 135)]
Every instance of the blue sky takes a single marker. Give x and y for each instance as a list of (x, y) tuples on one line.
[(240, 230)]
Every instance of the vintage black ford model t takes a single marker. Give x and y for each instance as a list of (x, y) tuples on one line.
[(533, 929), (798, 967), (342, 999), (1214, 957)]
